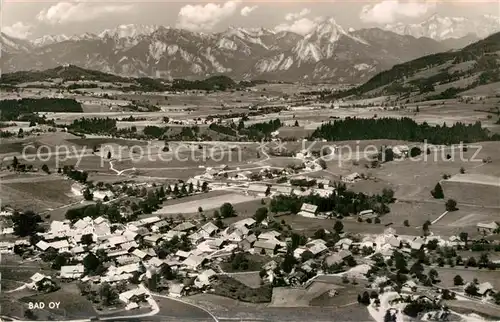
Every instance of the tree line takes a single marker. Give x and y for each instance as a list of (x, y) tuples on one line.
[(404, 129), (12, 109)]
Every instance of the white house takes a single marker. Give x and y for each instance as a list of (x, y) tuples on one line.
[(72, 272), (204, 278)]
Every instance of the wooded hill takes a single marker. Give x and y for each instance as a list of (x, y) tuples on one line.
[(474, 65), (75, 73)]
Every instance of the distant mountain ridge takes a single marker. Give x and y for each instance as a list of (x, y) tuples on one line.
[(327, 53), (441, 28)]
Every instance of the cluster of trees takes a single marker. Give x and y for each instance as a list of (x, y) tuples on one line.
[(223, 129), (344, 202), (477, 51), (94, 125), (12, 109), (77, 175), (154, 132), (67, 73), (259, 131), (240, 262), (26, 223), (303, 183), (404, 129), (93, 211), (365, 299), (178, 190), (214, 83), (172, 246)]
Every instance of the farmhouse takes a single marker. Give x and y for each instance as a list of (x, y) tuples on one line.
[(258, 189), (6, 247), (159, 225), (351, 178), (487, 228), (133, 295), (269, 235), (484, 289), (208, 230), (204, 278), (365, 214), (283, 190)]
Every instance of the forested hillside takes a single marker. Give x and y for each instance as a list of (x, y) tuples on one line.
[(480, 60)]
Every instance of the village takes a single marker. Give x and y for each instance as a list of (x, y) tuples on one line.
[(258, 203), (106, 248)]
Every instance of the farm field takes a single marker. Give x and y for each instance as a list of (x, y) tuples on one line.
[(46, 193), (225, 308), (446, 275), (203, 202)]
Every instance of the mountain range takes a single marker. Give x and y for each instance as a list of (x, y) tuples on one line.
[(447, 28), (327, 53)]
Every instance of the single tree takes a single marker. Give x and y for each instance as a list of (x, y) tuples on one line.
[(260, 214), (451, 205), (437, 192), (45, 169), (227, 210), (338, 227)]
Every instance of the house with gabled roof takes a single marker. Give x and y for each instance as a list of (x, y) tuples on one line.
[(133, 295), (184, 227), (267, 247), (182, 254), (72, 271), (272, 234), (141, 254), (209, 229), (42, 245), (485, 288), (344, 243), (248, 242), (194, 261), (308, 210), (156, 227), (196, 237), (153, 239)]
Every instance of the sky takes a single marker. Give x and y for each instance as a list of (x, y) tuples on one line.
[(34, 18)]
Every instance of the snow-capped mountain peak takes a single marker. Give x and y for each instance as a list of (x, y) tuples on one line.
[(128, 31), (84, 36), (49, 39), (440, 28)]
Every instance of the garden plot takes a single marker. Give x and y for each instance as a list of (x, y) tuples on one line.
[(204, 203)]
